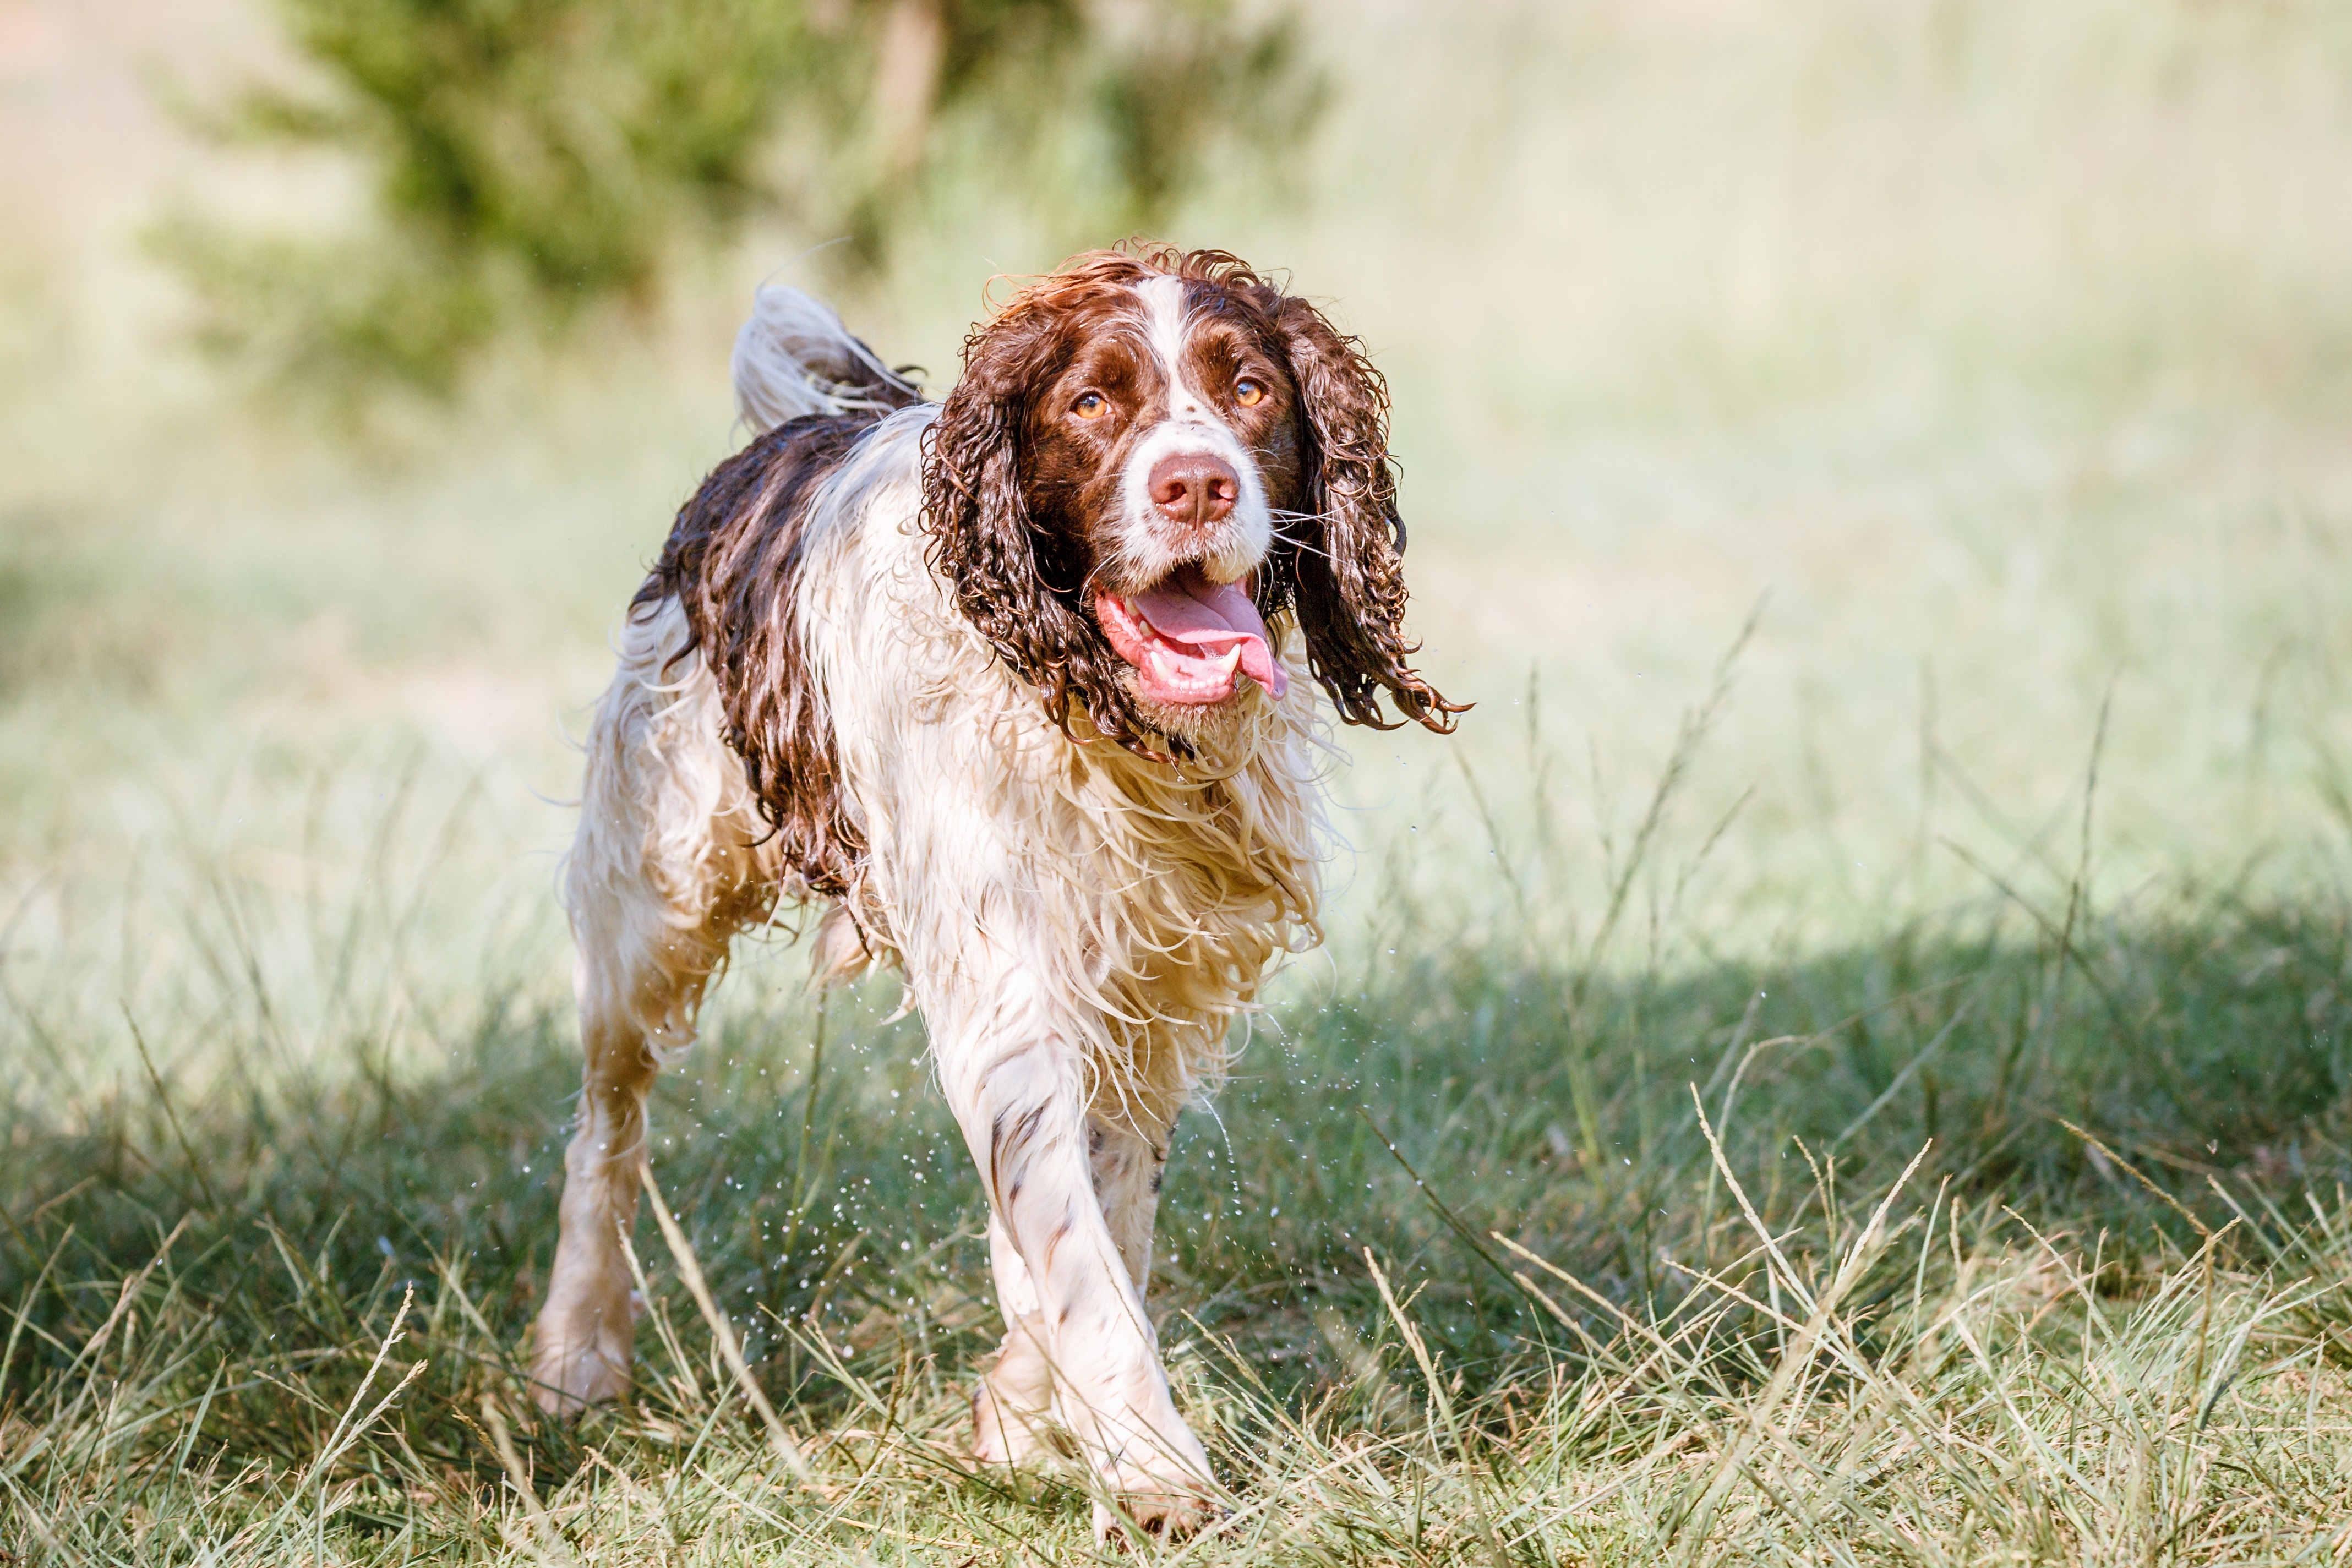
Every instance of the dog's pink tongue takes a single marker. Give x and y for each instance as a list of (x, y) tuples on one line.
[(1213, 619)]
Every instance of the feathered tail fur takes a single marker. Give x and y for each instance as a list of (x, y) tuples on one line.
[(795, 357)]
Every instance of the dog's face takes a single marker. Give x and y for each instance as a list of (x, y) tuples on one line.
[(1168, 439), (1155, 466), (1147, 459)]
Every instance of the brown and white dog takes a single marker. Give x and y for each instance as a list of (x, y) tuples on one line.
[(1023, 684)]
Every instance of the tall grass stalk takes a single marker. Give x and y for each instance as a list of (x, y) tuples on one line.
[(2075, 1312)]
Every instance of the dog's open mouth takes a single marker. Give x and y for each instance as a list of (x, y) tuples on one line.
[(1189, 639)]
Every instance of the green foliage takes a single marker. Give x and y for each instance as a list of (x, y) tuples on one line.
[(533, 157), (337, 315)]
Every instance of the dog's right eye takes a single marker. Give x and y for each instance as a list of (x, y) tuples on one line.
[(1090, 405)]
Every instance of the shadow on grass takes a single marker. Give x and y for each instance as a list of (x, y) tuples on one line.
[(241, 1256)]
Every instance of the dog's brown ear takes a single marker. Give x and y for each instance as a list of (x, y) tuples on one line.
[(1345, 555), (985, 544)]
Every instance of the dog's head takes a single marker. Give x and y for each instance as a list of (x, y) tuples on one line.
[(1148, 457)]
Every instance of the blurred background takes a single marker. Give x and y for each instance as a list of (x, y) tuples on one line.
[(1991, 360), (1883, 469)]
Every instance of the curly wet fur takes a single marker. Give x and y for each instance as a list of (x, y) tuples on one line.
[(1339, 562), (859, 672)]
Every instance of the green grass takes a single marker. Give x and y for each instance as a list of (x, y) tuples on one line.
[(2040, 1348), (1996, 350)]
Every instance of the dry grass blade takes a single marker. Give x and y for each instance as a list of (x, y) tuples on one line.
[(689, 1269), (1797, 1359), (1441, 1404), (547, 1541), (348, 1430), (2136, 1174)]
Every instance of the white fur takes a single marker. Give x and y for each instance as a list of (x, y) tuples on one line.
[(667, 866), (1163, 316), (1148, 546), (1078, 927), (795, 357)]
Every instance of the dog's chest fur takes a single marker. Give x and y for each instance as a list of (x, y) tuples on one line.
[(1146, 897)]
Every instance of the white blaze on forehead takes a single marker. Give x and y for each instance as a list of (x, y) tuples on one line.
[(1146, 548), (1163, 328)]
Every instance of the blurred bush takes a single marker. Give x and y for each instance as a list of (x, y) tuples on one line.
[(532, 158)]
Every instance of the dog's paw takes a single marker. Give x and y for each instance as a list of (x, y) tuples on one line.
[(1003, 1433), (1163, 1497), (568, 1381), (1161, 1512), (580, 1359)]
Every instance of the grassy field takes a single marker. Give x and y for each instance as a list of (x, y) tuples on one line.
[(1869, 1086)]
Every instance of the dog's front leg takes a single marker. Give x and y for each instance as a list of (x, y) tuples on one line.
[(1128, 1153), (588, 1323), (1013, 1404), (1065, 1286)]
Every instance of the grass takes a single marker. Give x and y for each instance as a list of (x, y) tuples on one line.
[(1566, 1208), (1460, 1269), (2020, 1232)]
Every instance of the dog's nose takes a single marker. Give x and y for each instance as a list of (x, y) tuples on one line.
[(1194, 487)]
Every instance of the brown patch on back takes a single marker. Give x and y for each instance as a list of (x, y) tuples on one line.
[(732, 560)]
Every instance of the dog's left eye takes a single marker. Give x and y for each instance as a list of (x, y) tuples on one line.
[(1248, 391)]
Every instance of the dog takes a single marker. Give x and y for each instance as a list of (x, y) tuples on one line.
[(1019, 688)]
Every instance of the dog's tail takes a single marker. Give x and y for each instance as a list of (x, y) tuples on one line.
[(795, 357)]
